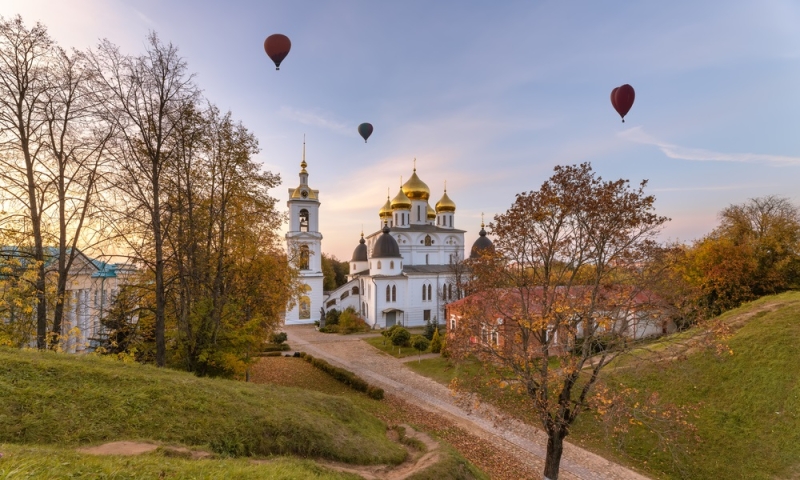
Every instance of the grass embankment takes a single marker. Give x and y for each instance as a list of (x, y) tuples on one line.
[(746, 405), (70, 401)]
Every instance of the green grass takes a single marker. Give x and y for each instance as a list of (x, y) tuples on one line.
[(385, 345), (746, 405), (38, 462), (67, 400)]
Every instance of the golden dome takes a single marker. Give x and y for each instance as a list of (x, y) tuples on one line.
[(401, 201), (431, 213), (415, 188), (445, 204), (386, 209)]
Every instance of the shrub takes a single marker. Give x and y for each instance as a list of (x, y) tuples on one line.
[(345, 376), (400, 337), (375, 392), (351, 322), (430, 328), (420, 343), (444, 351), (279, 337), (332, 317), (436, 342), (283, 347)]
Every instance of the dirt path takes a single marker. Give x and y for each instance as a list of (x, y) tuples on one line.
[(484, 421)]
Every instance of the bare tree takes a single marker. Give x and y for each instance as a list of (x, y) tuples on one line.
[(76, 141), (25, 84), (564, 280), (147, 98)]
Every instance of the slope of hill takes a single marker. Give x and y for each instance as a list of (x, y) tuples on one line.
[(745, 400), (57, 400)]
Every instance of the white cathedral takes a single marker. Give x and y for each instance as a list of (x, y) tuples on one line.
[(400, 274)]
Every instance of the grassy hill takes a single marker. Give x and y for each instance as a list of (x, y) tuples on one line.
[(54, 403), (745, 406)]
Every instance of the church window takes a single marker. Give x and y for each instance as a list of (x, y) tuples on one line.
[(418, 210), (355, 290), (426, 259), (423, 293), (450, 291), (426, 315), (391, 264), (304, 257), (305, 308), (429, 292), (388, 293), (428, 241), (304, 220), (379, 264), (363, 309), (354, 268), (394, 293)]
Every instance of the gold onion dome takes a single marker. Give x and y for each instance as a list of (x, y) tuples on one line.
[(415, 188), (431, 213), (401, 201), (445, 204), (386, 209)]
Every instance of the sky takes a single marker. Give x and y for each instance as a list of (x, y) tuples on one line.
[(487, 96)]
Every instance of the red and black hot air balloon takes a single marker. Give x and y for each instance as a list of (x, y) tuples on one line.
[(277, 47), (365, 130), (622, 100)]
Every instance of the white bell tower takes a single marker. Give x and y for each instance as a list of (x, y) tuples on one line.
[(304, 247)]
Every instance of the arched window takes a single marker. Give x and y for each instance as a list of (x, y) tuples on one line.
[(363, 309), (388, 293), (450, 291), (305, 308), (429, 292), (394, 293), (304, 220), (391, 264), (354, 268), (379, 264), (304, 257), (423, 293), (355, 290), (428, 241)]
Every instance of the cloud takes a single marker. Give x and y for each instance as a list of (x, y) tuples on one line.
[(638, 135), (315, 120)]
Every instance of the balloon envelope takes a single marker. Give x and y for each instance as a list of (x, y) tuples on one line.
[(277, 47), (365, 130), (622, 99)]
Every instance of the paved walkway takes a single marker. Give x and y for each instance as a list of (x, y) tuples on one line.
[(392, 375)]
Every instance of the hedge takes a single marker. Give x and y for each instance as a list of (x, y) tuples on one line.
[(345, 376)]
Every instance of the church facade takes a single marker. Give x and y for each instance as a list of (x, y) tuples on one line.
[(400, 274)]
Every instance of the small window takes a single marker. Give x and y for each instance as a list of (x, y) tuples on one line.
[(391, 264), (394, 293), (355, 290), (429, 292), (426, 315), (423, 293), (388, 293), (379, 264), (354, 267), (452, 322)]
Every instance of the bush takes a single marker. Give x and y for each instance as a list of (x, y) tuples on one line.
[(400, 337), (279, 338), (444, 351), (345, 376), (420, 343), (436, 342), (430, 328), (283, 347), (332, 317), (351, 322)]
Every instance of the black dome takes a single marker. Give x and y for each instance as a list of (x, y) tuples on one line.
[(481, 244), (360, 253), (386, 246)]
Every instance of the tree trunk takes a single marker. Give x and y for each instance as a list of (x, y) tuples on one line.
[(555, 447)]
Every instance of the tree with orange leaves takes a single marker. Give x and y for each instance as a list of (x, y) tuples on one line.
[(552, 304)]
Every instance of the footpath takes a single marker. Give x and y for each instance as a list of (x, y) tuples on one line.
[(389, 373)]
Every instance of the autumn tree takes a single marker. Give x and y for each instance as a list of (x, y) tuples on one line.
[(146, 97), (562, 279), (334, 272), (25, 85)]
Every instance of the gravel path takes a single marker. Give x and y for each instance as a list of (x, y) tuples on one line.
[(393, 376)]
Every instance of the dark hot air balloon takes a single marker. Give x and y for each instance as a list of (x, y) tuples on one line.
[(365, 130), (622, 100), (277, 47)]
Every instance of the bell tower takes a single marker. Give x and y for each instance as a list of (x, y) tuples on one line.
[(304, 247)]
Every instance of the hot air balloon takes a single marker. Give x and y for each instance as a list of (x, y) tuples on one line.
[(365, 130), (277, 47), (622, 100)]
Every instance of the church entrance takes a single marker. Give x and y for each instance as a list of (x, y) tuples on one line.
[(391, 319)]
